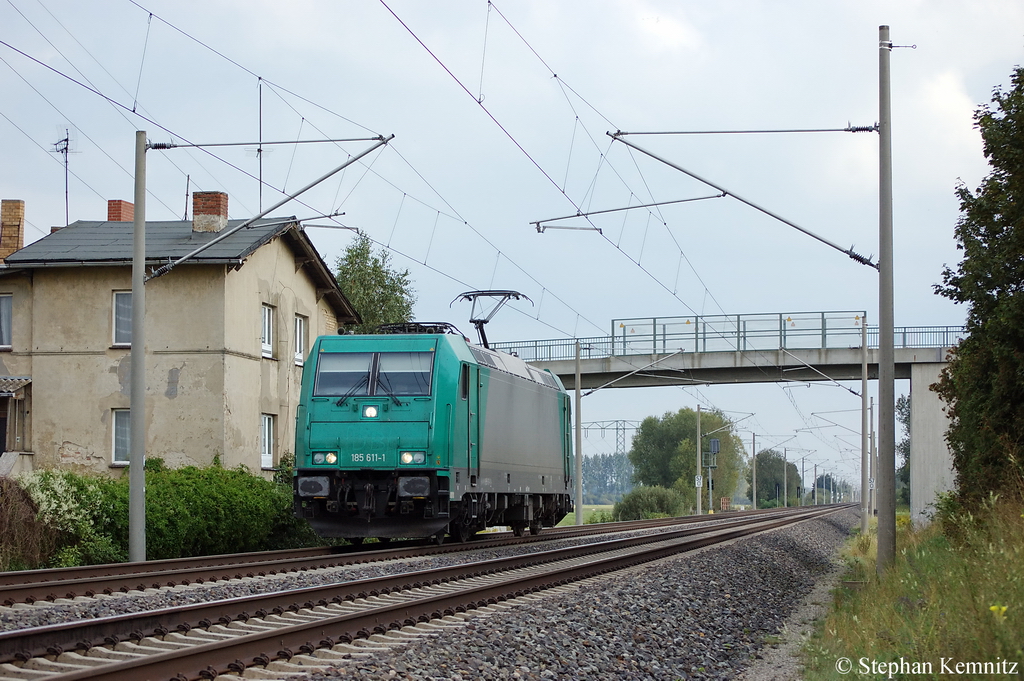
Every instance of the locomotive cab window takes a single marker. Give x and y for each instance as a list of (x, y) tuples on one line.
[(464, 382), (358, 374), (404, 373), (343, 373)]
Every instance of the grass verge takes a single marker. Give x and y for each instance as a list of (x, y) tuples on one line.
[(954, 596), (588, 510)]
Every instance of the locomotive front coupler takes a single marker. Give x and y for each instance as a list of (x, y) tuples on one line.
[(369, 500)]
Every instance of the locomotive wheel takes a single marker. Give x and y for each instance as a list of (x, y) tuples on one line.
[(518, 530), (438, 537), (535, 528), (357, 541)]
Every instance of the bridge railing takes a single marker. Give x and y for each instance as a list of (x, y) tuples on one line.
[(730, 333)]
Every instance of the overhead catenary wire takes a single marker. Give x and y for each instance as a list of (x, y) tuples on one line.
[(247, 70), (636, 261), (84, 77), (142, 62), (847, 251), (848, 128), (508, 134), (561, 83), (536, 164)]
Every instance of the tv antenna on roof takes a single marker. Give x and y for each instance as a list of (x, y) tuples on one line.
[(498, 299), (65, 147)]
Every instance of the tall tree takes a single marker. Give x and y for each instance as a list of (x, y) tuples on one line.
[(664, 452), (827, 486), (606, 478), (380, 293), (776, 479), (982, 383), (903, 451)]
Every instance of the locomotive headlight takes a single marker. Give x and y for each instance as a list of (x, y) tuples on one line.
[(413, 458), (325, 457), (370, 411)]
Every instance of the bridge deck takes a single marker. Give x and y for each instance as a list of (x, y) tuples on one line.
[(732, 349)]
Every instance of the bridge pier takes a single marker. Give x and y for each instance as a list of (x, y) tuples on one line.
[(931, 462)]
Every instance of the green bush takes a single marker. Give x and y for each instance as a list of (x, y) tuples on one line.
[(81, 510), (25, 541), (649, 502), (201, 511), (189, 512)]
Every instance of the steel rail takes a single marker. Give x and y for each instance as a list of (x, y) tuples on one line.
[(47, 585), (53, 639), (226, 656)]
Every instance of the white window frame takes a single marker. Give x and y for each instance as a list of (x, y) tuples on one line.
[(122, 343), (6, 312), (267, 441), (120, 418), (267, 330), (301, 324)]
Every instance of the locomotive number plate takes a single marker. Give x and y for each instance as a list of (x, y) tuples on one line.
[(368, 457)]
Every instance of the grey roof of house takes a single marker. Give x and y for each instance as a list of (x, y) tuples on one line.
[(88, 243), (110, 243)]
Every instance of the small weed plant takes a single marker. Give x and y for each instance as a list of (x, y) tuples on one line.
[(955, 594)]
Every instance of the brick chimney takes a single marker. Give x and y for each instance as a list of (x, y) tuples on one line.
[(209, 211), (120, 211), (12, 226)]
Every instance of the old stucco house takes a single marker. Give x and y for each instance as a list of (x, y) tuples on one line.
[(226, 336)]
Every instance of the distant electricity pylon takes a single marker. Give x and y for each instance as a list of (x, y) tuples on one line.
[(620, 426)]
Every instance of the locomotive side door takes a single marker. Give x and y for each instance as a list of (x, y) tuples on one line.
[(466, 428), (473, 421), (568, 458)]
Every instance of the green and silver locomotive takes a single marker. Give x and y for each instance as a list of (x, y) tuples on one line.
[(420, 433)]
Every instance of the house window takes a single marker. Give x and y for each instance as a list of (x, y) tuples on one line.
[(5, 321), (122, 436), (300, 339), (267, 441), (267, 333), (123, 318)]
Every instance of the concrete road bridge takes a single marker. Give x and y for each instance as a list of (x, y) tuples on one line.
[(765, 348)]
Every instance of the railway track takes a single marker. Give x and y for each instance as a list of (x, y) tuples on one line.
[(302, 630), (31, 586)]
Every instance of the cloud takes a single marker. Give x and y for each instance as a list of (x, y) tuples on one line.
[(938, 124), (662, 32)]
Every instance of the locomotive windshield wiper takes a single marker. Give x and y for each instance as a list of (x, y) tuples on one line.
[(351, 391), (384, 383)]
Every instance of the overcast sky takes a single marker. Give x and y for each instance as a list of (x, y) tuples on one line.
[(500, 114)]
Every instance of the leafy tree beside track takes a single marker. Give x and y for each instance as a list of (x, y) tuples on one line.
[(664, 453), (606, 477), (771, 485), (982, 384), (380, 293)]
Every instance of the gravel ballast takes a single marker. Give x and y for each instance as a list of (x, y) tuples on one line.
[(701, 616), (44, 613)]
